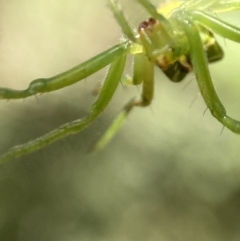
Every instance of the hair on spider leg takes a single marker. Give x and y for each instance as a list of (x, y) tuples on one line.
[(95, 91), (223, 127), (152, 110), (125, 81), (199, 94), (205, 111), (37, 99), (23, 100), (188, 83)]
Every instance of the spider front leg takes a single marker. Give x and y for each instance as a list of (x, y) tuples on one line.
[(111, 82), (68, 77), (143, 72), (200, 66), (218, 26)]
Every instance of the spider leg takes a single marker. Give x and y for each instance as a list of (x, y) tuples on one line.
[(68, 77), (143, 72), (201, 4), (200, 66), (122, 21), (221, 6), (218, 26), (111, 82)]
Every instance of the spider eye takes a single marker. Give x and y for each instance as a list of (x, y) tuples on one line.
[(147, 25), (144, 25)]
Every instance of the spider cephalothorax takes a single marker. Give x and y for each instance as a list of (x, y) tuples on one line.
[(179, 42), (174, 66)]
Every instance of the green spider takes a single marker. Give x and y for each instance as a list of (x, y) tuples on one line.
[(177, 37)]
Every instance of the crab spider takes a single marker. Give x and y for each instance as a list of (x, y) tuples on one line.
[(178, 42)]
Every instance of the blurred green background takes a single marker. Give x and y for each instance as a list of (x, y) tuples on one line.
[(169, 174)]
